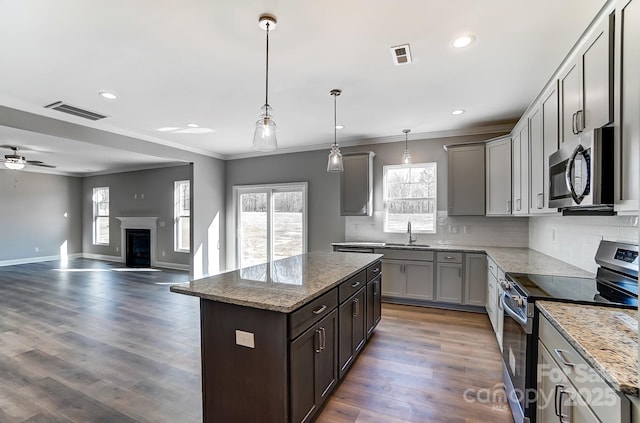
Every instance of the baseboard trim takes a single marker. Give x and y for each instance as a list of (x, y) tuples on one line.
[(174, 266), (103, 257), (29, 260)]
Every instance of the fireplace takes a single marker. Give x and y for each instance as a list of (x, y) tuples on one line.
[(138, 252), (142, 245)]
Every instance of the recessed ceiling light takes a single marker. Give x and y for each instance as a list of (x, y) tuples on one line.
[(194, 131), (457, 112), (339, 126), (463, 41), (167, 129), (192, 125), (108, 95)]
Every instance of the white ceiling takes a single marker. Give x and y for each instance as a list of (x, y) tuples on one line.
[(202, 61)]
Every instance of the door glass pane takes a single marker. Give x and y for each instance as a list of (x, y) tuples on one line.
[(287, 224), (253, 229)]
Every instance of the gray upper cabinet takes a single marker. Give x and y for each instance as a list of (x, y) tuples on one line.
[(627, 163), (543, 139), (498, 177), (466, 180), (356, 184), (586, 84), (520, 170)]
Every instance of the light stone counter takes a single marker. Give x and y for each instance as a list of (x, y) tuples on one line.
[(606, 337), (282, 285), (511, 260)]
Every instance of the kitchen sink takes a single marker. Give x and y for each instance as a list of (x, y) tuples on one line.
[(391, 244)]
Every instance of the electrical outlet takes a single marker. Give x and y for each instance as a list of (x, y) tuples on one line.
[(135, 196), (117, 249), (37, 249), (553, 234), (142, 196), (245, 339), (163, 254), (161, 223)]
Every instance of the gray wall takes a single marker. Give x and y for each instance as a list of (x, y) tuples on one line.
[(125, 199), (32, 215), (325, 225)]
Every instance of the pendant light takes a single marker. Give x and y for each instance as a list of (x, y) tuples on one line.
[(335, 158), (406, 157), (264, 138)]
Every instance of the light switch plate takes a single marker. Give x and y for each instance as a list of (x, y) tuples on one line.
[(246, 339)]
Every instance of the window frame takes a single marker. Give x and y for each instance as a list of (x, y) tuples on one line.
[(96, 214), (177, 216), (385, 169), (269, 189)]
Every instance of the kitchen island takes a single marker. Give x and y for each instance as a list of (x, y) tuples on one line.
[(276, 337)]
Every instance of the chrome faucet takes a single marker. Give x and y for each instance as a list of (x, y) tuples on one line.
[(412, 239)]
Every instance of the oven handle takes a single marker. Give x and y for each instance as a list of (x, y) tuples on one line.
[(510, 312)]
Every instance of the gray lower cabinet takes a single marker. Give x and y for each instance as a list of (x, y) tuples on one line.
[(314, 367), (374, 304), (353, 329), (408, 279), (449, 283), (475, 279)]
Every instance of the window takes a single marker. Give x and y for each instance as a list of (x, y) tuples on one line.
[(182, 216), (271, 222), (410, 196), (101, 216)]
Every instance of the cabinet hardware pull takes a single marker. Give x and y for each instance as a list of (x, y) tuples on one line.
[(580, 121), (558, 403), (319, 309), (318, 341), (555, 400), (560, 354), (518, 204), (449, 257), (508, 206), (540, 201), (356, 303), (323, 339), (355, 284), (376, 270), (574, 124)]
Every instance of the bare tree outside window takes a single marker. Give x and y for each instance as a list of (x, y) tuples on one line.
[(410, 196), (100, 215)]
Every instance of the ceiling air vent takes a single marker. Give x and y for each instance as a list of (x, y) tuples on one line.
[(76, 111), (401, 54)]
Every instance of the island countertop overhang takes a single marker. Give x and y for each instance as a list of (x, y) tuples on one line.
[(281, 285)]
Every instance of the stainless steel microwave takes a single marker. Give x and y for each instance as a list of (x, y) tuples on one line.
[(581, 172)]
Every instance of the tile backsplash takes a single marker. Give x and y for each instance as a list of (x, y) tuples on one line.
[(451, 230), (575, 239)]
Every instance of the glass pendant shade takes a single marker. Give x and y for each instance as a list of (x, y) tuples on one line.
[(264, 137), (14, 165), (406, 158), (335, 160)]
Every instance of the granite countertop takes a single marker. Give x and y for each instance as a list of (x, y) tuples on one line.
[(282, 285), (510, 259), (606, 337)]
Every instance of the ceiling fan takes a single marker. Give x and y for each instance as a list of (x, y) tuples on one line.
[(16, 162)]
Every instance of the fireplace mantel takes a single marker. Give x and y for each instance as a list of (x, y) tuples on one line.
[(138, 222)]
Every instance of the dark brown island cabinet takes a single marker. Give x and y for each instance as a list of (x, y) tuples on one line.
[(272, 364)]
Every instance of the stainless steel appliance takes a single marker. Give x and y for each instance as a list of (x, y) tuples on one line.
[(581, 173), (616, 284)]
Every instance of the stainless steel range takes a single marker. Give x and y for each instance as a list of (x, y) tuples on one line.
[(616, 284)]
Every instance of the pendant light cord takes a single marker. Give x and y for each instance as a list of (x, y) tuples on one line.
[(335, 121), (266, 90), (406, 136)]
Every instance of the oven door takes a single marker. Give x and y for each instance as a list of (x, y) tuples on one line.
[(514, 356)]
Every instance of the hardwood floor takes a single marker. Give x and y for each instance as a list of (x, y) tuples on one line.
[(89, 343)]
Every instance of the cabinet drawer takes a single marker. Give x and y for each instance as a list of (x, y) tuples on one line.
[(311, 313), (351, 286), (374, 270), (608, 405), (492, 267), (406, 254), (448, 257)]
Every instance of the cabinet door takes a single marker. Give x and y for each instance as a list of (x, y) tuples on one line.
[(449, 283), (549, 136), (394, 284), (628, 141), (346, 347), (374, 304), (597, 81), (419, 276), (516, 172), (327, 359), (475, 279), (570, 101), (520, 152), (537, 162), (490, 301), (466, 180), (356, 185), (302, 377), (498, 177), (359, 320)]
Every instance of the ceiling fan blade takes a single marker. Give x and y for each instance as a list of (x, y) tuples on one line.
[(40, 164)]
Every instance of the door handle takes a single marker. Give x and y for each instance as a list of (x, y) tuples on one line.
[(356, 305), (323, 339), (318, 341)]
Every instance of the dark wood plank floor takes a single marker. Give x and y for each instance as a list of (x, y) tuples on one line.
[(85, 342)]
